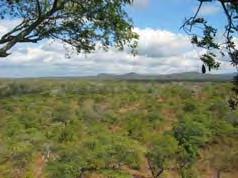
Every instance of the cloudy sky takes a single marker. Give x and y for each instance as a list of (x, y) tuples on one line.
[(163, 48)]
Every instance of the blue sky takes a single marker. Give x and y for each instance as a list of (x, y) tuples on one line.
[(170, 14), (163, 48), (164, 14)]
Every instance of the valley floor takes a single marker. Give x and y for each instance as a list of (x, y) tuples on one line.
[(116, 129)]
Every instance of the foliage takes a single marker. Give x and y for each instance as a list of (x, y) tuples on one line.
[(72, 128), (81, 24), (161, 154), (94, 154), (191, 135), (207, 39)]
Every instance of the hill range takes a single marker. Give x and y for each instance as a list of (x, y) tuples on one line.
[(186, 76)]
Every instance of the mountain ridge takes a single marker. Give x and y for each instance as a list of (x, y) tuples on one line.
[(132, 76), (169, 77)]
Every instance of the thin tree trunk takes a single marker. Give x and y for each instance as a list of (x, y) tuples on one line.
[(218, 174), (159, 173)]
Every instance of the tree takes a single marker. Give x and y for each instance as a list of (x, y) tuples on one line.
[(80, 23), (207, 39), (191, 134), (94, 154), (161, 154), (222, 161)]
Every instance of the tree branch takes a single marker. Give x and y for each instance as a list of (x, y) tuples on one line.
[(196, 14), (229, 18), (21, 37), (38, 7), (5, 37)]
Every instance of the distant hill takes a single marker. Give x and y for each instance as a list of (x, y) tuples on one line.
[(186, 76)]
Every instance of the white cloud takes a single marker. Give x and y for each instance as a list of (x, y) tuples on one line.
[(141, 3), (159, 52), (161, 43)]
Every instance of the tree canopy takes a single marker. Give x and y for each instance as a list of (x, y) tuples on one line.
[(216, 47), (82, 24), (208, 38)]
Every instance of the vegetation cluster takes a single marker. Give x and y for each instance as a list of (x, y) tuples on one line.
[(69, 128)]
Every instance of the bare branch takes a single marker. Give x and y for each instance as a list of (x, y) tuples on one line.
[(196, 14), (38, 7)]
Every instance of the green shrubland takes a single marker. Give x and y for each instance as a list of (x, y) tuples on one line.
[(73, 128)]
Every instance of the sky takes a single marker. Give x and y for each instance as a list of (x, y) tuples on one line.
[(163, 48)]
